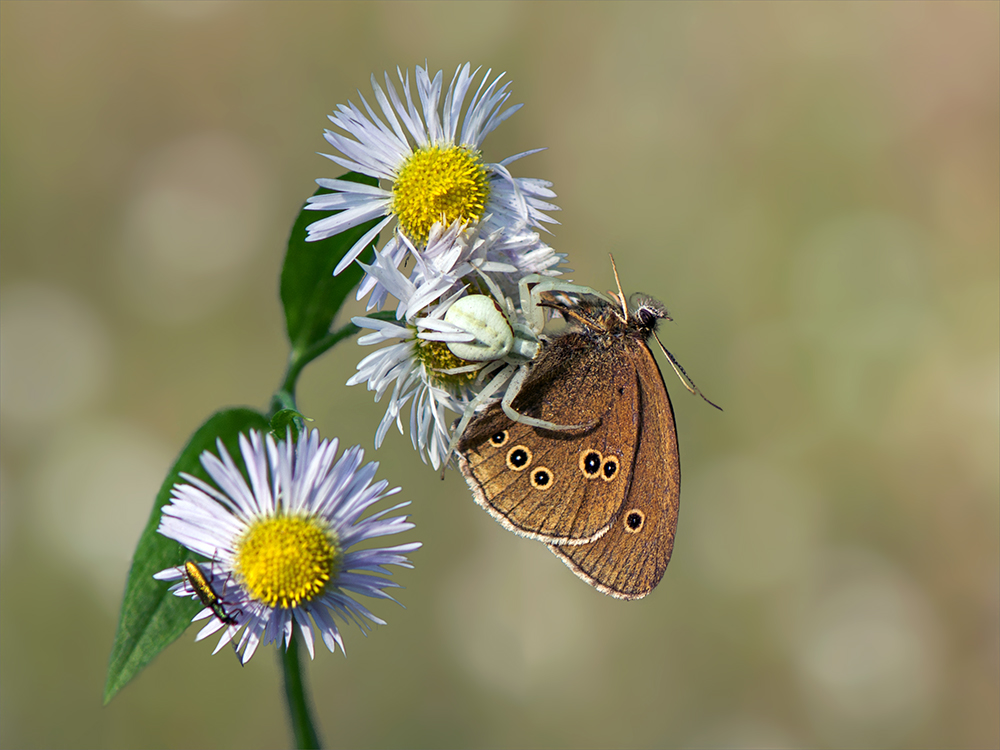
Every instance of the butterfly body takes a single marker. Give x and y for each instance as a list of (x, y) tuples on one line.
[(604, 497)]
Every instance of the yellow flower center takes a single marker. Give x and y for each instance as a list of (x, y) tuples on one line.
[(286, 560), (436, 356), (439, 183)]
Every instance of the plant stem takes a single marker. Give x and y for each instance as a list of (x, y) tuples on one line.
[(303, 726), (299, 713), (297, 360)]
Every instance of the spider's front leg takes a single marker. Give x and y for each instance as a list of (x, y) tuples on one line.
[(502, 377), (506, 403), (497, 340), (531, 296)]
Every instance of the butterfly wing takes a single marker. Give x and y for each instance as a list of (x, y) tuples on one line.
[(558, 487), (629, 560)]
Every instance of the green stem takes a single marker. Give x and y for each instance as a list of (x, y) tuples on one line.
[(299, 713), (299, 360), (298, 703), (284, 398)]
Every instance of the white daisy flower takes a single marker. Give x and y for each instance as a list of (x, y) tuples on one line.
[(281, 547), (418, 363), (411, 365), (428, 156), (512, 255), (528, 254), (464, 256), (439, 268)]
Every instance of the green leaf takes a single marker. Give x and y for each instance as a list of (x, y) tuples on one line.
[(288, 418), (310, 293), (151, 618)]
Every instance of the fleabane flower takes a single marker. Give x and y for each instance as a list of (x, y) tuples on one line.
[(405, 368), (465, 257), (417, 364), (426, 155), (281, 546), (411, 369)]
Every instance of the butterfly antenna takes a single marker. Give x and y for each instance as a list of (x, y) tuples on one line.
[(684, 377), (621, 294)]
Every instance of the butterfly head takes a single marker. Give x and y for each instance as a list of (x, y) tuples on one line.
[(646, 312)]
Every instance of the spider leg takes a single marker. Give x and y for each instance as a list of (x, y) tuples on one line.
[(502, 377), (460, 370), (532, 312), (498, 295), (515, 388), (530, 298), (488, 369)]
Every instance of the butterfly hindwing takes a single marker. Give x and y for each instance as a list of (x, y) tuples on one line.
[(629, 560), (558, 487)]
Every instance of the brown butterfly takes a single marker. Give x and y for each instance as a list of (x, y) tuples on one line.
[(605, 496)]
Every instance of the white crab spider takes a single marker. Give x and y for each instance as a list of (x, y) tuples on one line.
[(502, 342)]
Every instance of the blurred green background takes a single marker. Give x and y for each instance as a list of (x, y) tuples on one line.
[(811, 188)]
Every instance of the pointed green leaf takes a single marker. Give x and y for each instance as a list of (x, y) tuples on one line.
[(310, 293), (285, 419), (151, 618)]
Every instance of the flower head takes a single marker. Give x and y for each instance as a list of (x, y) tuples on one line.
[(421, 363), (427, 154), (413, 368), (281, 546)]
